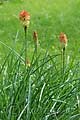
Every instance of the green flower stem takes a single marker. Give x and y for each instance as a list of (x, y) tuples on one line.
[(63, 62), (36, 54), (63, 59), (36, 49), (25, 42)]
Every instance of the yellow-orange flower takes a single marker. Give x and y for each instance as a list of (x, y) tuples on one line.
[(63, 40), (25, 18)]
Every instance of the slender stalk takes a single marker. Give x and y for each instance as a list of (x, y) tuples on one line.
[(63, 59), (36, 54), (36, 47), (25, 42), (63, 62), (36, 50), (35, 37)]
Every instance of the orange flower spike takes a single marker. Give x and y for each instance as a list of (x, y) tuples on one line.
[(24, 16), (35, 37), (63, 39)]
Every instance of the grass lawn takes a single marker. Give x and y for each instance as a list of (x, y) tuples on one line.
[(48, 89)]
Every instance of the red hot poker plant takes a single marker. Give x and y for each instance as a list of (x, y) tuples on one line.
[(35, 37), (25, 18), (63, 40)]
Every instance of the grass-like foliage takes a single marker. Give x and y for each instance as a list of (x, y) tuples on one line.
[(39, 80), (39, 91)]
